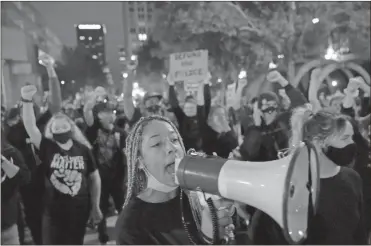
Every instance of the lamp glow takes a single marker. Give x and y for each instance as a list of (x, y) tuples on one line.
[(315, 20), (125, 75), (219, 80), (334, 83), (62, 82), (272, 65), (88, 26), (242, 74)]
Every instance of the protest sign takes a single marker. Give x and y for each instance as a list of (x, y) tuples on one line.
[(191, 87), (189, 66)]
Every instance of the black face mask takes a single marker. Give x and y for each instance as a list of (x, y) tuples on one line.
[(153, 109), (342, 156), (62, 137)]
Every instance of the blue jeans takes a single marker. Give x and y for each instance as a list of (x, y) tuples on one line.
[(10, 236)]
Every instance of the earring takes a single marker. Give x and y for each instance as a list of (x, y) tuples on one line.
[(141, 181)]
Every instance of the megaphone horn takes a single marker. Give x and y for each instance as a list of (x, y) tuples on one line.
[(284, 189)]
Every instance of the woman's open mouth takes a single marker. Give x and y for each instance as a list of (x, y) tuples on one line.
[(170, 168)]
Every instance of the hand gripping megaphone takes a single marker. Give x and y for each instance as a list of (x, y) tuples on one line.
[(286, 189)]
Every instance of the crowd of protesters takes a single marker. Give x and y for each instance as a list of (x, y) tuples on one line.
[(60, 165)]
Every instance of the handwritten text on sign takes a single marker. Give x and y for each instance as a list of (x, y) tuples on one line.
[(189, 66), (191, 87)]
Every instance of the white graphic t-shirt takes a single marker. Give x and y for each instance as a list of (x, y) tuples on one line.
[(67, 171)]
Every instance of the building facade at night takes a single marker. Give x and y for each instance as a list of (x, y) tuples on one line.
[(24, 33), (138, 18), (92, 37)]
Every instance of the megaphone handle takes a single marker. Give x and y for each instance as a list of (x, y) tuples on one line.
[(310, 202)]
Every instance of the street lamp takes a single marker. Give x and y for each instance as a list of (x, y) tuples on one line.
[(125, 75), (315, 20), (242, 74), (62, 82), (334, 83), (219, 80)]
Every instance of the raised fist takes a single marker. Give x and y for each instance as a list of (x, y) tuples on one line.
[(45, 59), (274, 76), (28, 92), (170, 79)]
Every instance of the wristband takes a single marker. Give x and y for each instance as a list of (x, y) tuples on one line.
[(26, 101)]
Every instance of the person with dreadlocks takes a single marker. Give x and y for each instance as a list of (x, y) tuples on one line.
[(193, 112), (156, 211), (72, 182)]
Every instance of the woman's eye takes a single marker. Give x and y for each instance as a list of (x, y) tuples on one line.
[(156, 145), (175, 140)]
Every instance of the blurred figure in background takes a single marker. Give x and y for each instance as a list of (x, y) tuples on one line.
[(14, 173)]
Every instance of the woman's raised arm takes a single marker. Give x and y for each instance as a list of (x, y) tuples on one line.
[(28, 115)]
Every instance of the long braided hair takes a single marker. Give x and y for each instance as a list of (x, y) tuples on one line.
[(136, 182)]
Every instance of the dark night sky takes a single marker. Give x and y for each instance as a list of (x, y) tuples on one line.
[(62, 16)]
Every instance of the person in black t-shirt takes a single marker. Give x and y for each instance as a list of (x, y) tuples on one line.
[(106, 139), (14, 173), (71, 177), (340, 213), (193, 112), (152, 212), (18, 137)]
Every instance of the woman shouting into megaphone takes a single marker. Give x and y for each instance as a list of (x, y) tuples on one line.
[(156, 210)]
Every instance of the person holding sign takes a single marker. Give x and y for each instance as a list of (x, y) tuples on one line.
[(193, 110)]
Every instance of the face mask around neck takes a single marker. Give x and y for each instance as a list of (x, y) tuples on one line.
[(154, 184)]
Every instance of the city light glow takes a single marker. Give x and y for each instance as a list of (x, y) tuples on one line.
[(242, 74), (62, 82), (142, 36), (219, 80), (272, 65), (133, 57), (315, 20), (334, 83), (90, 38), (125, 75), (331, 54), (94, 57), (281, 56), (82, 38), (89, 26)]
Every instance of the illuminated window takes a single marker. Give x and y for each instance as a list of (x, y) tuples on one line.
[(90, 38), (100, 38), (82, 38)]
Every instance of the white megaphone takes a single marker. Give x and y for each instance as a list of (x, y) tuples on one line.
[(285, 189)]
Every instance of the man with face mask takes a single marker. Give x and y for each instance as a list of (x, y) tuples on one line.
[(269, 134), (107, 148), (193, 110)]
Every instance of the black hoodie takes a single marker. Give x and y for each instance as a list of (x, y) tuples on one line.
[(10, 186)]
